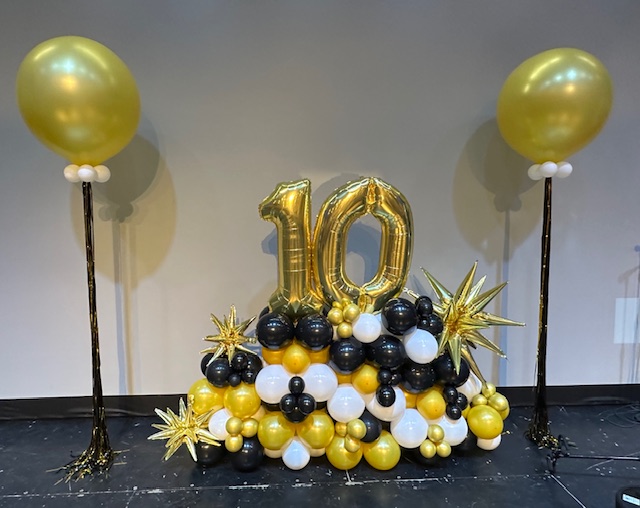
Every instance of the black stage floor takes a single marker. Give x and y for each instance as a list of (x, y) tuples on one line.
[(515, 474)]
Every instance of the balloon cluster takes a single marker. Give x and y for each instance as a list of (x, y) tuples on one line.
[(349, 384)]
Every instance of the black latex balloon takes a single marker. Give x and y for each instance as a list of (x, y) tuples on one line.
[(454, 412), (235, 378), (275, 330), (295, 416), (218, 372), (446, 372), (385, 395), (373, 425), (314, 332), (384, 376), (462, 402), (208, 454), (388, 351), (399, 315), (450, 394), (249, 376), (417, 377), (288, 403), (424, 306), (396, 378), (346, 355), (250, 456), (239, 361), (263, 312), (254, 363), (431, 323), (296, 385), (306, 403), (204, 362)]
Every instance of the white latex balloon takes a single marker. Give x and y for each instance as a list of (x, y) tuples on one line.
[(71, 173), (272, 383), (393, 412), (86, 173), (410, 430), (490, 444), (296, 456), (421, 346), (564, 169), (471, 387), (548, 169), (366, 328), (534, 172), (455, 431), (218, 424), (273, 454), (102, 173), (346, 404), (320, 381)]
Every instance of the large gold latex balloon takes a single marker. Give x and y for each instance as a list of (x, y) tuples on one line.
[(317, 430), (384, 453), (78, 98), (338, 213), (340, 457), (205, 397), (242, 400), (554, 103), (485, 422), (275, 431)]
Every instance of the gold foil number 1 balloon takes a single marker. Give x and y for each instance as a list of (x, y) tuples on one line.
[(289, 208)]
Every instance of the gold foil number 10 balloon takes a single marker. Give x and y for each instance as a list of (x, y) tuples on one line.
[(303, 260)]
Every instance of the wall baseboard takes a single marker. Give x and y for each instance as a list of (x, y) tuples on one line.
[(144, 405)]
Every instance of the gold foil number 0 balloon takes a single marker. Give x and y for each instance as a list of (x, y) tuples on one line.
[(322, 259)]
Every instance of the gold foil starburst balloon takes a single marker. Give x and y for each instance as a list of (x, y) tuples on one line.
[(184, 428), (462, 317), (230, 336)]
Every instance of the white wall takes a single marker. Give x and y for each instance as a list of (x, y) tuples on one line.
[(238, 96)]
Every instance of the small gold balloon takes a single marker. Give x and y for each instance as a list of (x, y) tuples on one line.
[(435, 433), (384, 453), (345, 330), (357, 428), (274, 431), (485, 422), (365, 379), (431, 404), (465, 411), (411, 399), (343, 378), (443, 449), (351, 444), (335, 316), (205, 397), (234, 425), (321, 356), (249, 427), (242, 400), (336, 305), (488, 389), (233, 443), (340, 457), (428, 449), (351, 312), (505, 413), (479, 400), (498, 402), (317, 430), (272, 356), (296, 359), (554, 103), (341, 429)]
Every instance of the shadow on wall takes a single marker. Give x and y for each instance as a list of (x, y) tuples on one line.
[(140, 204)]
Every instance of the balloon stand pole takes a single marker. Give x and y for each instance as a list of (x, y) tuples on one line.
[(98, 457), (539, 431)]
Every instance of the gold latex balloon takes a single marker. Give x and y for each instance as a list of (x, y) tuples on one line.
[(274, 431), (296, 359), (272, 356), (250, 427), (443, 449), (340, 457), (365, 379), (485, 422), (78, 98), (351, 444), (384, 453), (435, 433), (321, 356), (233, 443), (205, 397), (337, 214), (498, 402), (431, 404), (428, 449), (289, 208), (317, 430), (357, 429), (554, 103), (234, 425), (242, 400)]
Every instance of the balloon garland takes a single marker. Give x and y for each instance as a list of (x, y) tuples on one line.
[(350, 372)]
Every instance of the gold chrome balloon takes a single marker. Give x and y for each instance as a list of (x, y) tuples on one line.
[(275, 431), (233, 443), (78, 98), (554, 103), (340, 457), (205, 397), (296, 359), (485, 422), (249, 427), (317, 430), (337, 214), (428, 449), (384, 453), (365, 379), (431, 404), (242, 400)]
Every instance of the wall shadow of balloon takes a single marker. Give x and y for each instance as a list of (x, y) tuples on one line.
[(490, 186)]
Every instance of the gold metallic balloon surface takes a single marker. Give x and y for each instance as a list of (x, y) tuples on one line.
[(340, 457), (338, 213), (431, 404), (205, 397), (296, 359), (317, 430), (78, 98), (485, 422), (242, 400), (384, 453), (554, 103), (289, 208), (274, 431)]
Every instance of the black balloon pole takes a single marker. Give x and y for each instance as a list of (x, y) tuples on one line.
[(538, 431), (99, 456)]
